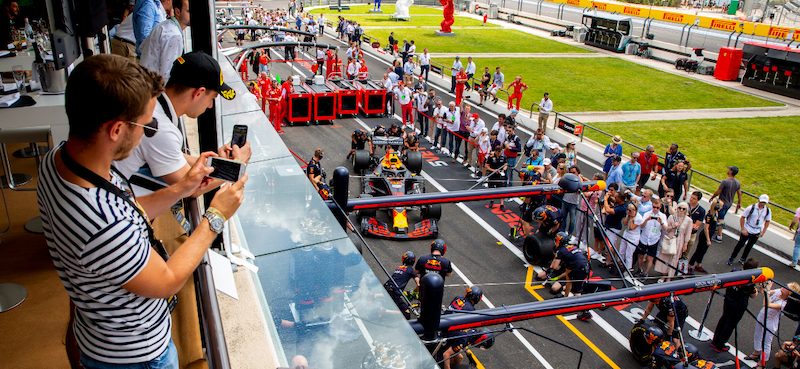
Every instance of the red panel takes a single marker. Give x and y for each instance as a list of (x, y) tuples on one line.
[(727, 68)]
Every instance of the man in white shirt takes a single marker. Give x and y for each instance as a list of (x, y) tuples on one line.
[(289, 50), (452, 120), (474, 127), (545, 107), (252, 22), (653, 227), (392, 75), (539, 142), (352, 69), (124, 41), (320, 60), (388, 84), (421, 102), (321, 22), (500, 127), (194, 84), (470, 70), (754, 223), (438, 113), (425, 63), (498, 79), (453, 72), (165, 42), (411, 50)]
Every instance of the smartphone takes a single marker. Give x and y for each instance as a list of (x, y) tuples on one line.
[(239, 137), (226, 170)]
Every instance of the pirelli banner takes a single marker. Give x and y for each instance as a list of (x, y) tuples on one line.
[(634, 10)]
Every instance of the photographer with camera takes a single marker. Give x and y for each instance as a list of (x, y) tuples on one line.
[(614, 208), (512, 147), (789, 354)]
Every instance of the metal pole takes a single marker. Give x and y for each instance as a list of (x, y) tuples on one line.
[(678, 326), (700, 335)]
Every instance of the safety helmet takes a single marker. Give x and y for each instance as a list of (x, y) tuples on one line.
[(379, 130), (561, 239), (540, 213), (486, 340), (394, 125), (474, 294), (409, 258), (439, 244), (653, 334), (691, 352)]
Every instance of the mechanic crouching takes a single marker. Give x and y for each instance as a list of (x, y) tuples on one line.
[(570, 263), (467, 303), (359, 140), (401, 276), (451, 353)]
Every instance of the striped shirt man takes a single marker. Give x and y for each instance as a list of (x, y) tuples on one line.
[(98, 243)]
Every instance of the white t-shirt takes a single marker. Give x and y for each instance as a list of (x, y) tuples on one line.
[(161, 48), (403, 95), (440, 112), (652, 231), (125, 30), (162, 152), (424, 59), (501, 132), (633, 236), (452, 119), (485, 143), (754, 223), (476, 127)]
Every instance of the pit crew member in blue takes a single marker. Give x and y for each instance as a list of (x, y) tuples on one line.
[(435, 262), (401, 276), (466, 303)]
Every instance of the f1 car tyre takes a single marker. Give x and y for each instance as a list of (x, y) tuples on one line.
[(366, 213), (642, 350), (432, 211), (538, 249), (361, 161), (414, 161)]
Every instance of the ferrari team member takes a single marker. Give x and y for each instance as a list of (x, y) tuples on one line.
[(401, 276), (274, 98), (359, 139), (264, 85), (286, 89), (467, 303), (495, 165), (516, 88), (570, 263), (255, 90), (243, 72), (403, 95), (435, 262), (452, 350), (672, 312), (314, 169), (461, 81)]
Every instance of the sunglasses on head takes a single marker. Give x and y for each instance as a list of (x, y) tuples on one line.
[(150, 129)]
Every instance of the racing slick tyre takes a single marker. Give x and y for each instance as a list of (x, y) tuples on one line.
[(366, 213), (538, 249), (414, 161), (641, 349), (360, 161), (432, 212)]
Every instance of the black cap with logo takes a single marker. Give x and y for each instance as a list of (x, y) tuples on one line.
[(198, 69)]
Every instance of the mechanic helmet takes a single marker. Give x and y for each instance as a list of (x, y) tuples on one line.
[(540, 213), (379, 130), (653, 334), (691, 352), (439, 244), (525, 176), (474, 294), (409, 258), (486, 340), (562, 238)]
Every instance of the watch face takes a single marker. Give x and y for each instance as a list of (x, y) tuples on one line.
[(216, 224)]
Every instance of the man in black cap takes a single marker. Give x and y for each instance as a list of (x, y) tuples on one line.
[(195, 82)]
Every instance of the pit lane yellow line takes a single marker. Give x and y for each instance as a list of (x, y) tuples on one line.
[(531, 288), (477, 362)]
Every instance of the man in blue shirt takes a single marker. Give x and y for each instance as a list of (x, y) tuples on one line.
[(630, 173), (146, 15), (615, 173)]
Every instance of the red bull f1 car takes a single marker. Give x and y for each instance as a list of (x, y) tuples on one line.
[(392, 176)]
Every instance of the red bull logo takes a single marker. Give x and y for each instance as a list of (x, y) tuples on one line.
[(459, 304), (723, 25), (672, 17), (650, 337), (433, 264), (629, 10)]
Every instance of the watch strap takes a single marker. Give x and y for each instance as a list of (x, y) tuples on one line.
[(216, 212)]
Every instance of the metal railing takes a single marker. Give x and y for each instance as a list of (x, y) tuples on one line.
[(691, 172)]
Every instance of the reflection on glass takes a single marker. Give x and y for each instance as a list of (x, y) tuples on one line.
[(327, 305), (265, 144)]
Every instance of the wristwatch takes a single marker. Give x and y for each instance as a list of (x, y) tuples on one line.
[(215, 219)]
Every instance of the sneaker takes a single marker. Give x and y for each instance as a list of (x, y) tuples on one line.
[(730, 261), (349, 155), (644, 275), (660, 280), (717, 239), (724, 348), (585, 316), (700, 269), (792, 265), (638, 273), (502, 207)]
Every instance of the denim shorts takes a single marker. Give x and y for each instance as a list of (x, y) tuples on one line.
[(721, 215), (167, 360)]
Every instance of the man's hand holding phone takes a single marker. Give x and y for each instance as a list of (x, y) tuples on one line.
[(235, 152), (229, 197), (196, 179)]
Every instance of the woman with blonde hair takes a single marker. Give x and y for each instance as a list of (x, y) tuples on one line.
[(631, 234), (776, 301), (679, 230), (571, 153)]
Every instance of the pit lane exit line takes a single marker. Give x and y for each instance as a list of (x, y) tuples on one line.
[(530, 289)]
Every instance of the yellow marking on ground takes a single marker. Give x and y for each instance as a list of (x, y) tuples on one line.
[(477, 362), (531, 288)]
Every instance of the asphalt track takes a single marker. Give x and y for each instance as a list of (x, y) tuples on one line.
[(482, 254)]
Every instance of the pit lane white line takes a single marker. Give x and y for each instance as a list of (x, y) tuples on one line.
[(499, 237)]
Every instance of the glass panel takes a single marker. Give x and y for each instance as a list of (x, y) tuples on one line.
[(243, 102), (228, 73), (264, 141), (327, 305), (281, 209)]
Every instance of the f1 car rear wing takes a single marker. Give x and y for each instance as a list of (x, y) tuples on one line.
[(387, 140)]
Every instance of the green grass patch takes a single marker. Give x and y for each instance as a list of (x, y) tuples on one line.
[(713, 144), (609, 84), (477, 40), (364, 9), (423, 21)]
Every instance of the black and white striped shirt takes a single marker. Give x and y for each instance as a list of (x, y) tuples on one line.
[(98, 243)]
